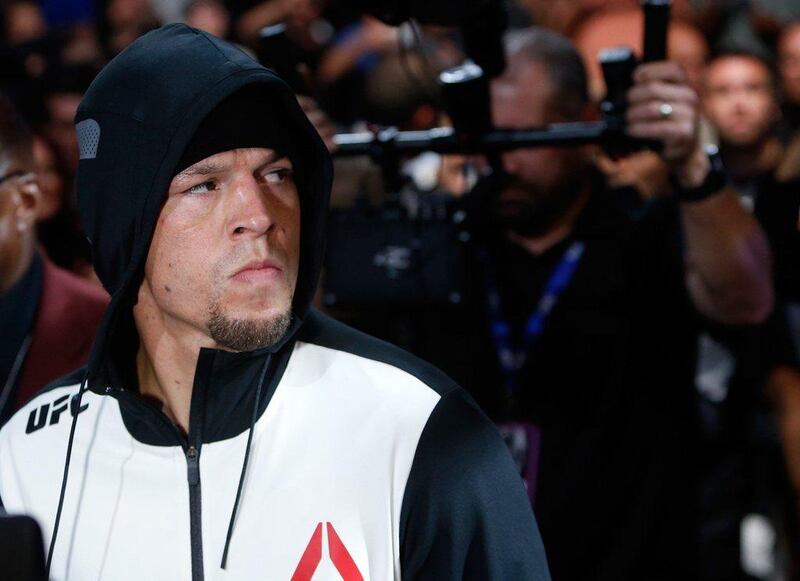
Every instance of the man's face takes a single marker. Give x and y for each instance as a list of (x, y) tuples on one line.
[(544, 180), (226, 249), (739, 100), (789, 63)]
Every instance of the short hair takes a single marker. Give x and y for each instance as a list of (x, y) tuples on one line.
[(764, 60), (16, 139), (560, 58)]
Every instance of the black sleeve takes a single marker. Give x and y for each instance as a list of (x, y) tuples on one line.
[(465, 513)]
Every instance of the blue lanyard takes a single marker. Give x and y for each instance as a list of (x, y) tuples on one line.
[(512, 358)]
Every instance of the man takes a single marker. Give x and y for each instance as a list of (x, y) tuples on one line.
[(789, 69), (224, 423), (738, 367), (48, 316), (582, 334), (741, 103)]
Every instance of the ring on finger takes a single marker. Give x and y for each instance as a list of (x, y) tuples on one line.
[(665, 110)]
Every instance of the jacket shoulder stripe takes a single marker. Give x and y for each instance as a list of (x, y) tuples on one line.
[(319, 329)]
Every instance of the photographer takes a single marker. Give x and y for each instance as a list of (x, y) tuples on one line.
[(582, 323)]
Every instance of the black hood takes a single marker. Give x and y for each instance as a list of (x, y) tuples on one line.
[(134, 124)]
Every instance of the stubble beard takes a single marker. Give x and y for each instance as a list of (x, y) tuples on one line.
[(246, 334), (534, 215)]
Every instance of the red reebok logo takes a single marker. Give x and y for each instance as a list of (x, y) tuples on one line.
[(340, 558)]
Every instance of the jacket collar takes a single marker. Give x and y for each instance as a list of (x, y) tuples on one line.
[(223, 394)]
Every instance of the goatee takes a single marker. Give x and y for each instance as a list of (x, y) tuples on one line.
[(246, 334), (534, 214)]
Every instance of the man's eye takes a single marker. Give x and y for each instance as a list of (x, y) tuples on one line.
[(203, 188), (278, 175)]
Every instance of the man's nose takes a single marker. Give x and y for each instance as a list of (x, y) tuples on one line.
[(250, 212)]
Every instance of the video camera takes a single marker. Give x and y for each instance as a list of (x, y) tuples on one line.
[(391, 256), (466, 97)]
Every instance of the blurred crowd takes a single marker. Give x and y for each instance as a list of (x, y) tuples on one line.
[(742, 59)]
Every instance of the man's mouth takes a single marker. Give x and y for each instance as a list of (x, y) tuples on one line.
[(258, 271)]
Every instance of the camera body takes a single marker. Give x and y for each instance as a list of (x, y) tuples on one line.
[(391, 255), (395, 256)]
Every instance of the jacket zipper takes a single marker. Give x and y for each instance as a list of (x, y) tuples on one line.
[(192, 448), (195, 511), (192, 454)]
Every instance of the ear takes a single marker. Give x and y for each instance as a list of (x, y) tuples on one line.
[(28, 199)]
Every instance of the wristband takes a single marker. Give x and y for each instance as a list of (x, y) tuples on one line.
[(714, 183)]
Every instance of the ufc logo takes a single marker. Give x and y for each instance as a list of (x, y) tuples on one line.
[(38, 418)]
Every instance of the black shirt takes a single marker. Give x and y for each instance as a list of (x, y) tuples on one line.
[(610, 383), (741, 465)]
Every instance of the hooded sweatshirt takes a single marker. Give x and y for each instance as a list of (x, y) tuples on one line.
[(330, 455)]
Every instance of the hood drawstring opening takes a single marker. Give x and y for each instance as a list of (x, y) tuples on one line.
[(253, 419), (64, 478)]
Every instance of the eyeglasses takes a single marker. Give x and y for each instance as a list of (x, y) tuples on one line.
[(16, 174)]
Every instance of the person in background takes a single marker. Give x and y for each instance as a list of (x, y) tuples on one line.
[(26, 32), (40, 304), (578, 325), (788, 46), (789, 69), (359, 46), (58, 230), (24, 22), (348, 63), (740, 100), (124, 22), (742, 369), (209, 15)]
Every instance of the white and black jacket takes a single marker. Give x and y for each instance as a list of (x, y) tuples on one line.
[(330, 455), (365, 464)]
